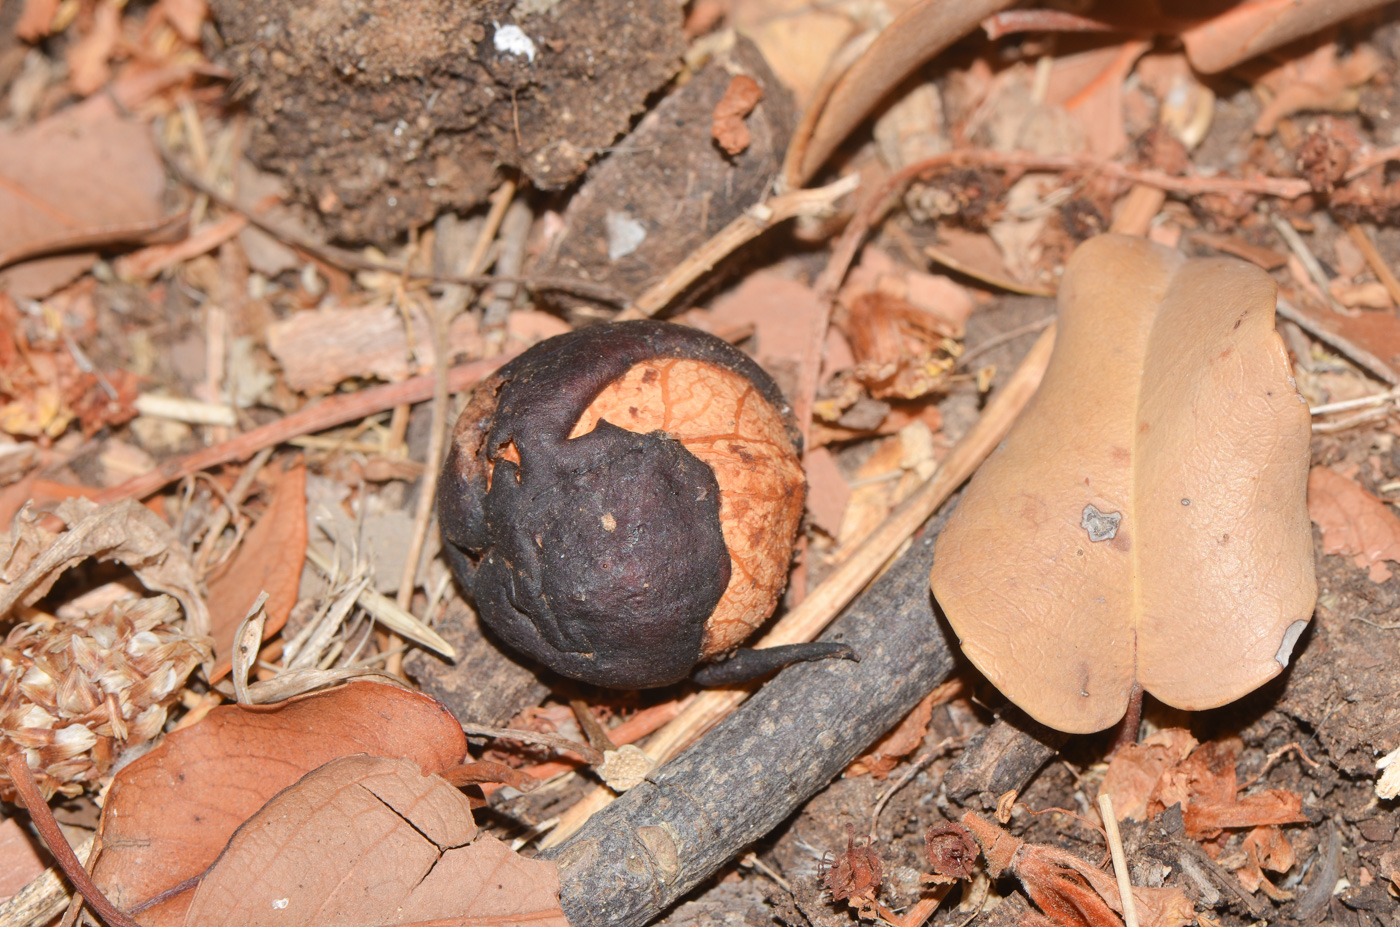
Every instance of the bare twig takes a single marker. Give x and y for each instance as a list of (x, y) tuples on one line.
[(328, 413), (1377, 263), (875, 205), (1305, 257), (755, 221), (998, 340)]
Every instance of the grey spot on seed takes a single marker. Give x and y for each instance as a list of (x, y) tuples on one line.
[(1102, 526)]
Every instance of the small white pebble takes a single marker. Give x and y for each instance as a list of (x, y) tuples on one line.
[(512, 40), (279, 904)]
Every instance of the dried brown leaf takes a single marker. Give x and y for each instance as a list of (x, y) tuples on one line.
[(1317, 82), (169, 814), (368, 842), (1353, 522), (1135, 770), (900, 742), (1089, 85), (1253, 27), (901, 351), (1144, 521), (48, 189), (269, 559), (89, 58), (32, 559), (827, 490)]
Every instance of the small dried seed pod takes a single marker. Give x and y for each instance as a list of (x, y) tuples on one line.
[(622, 501)]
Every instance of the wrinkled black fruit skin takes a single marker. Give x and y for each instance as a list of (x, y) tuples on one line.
[(625, 607)]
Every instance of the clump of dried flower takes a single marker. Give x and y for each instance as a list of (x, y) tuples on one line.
[(854, 877), (76, 693)]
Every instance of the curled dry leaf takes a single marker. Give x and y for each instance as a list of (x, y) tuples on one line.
[(728, 128), (368, 842), (1317, 82), (1266, 848), (1144, 522), (32, 558), (921, 31), (169, 814), (1353, 522), (1072, 892), (270, 560), (1253, 27), (901, 351)]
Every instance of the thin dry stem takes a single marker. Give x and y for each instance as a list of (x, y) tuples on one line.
[(44, 823), (442, 315), (350, 260), (1305, 257), (386, 611), (1120, 863), (328, 413), (1377, 263), (754, 222)]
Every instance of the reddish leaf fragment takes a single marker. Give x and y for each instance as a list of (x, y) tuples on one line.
[(728, 128), (21, 859), (1135, 770), (270, 559), (900, 742), (1070, 891), (169, 814), (1266, 848), (367, 841), (1353, 522)]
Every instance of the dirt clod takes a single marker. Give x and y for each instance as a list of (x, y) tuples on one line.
[(383, 114)]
